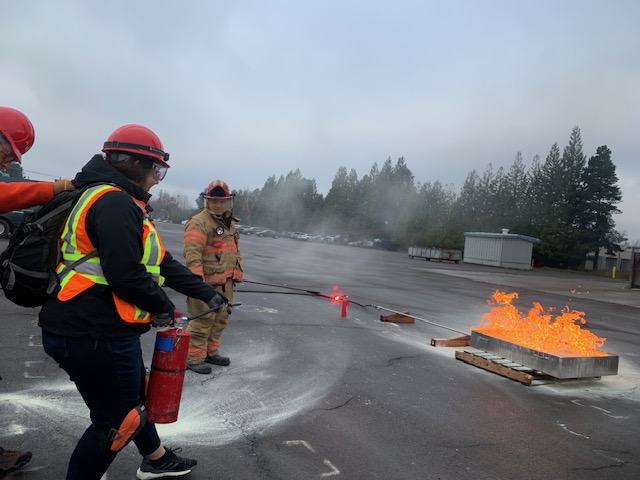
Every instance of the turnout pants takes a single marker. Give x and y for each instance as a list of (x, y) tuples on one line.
[(206, 331)]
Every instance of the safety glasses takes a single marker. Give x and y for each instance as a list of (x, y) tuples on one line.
[(159, 171), (5, 151)]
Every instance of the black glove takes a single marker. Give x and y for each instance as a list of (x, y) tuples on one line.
[(217, 302), (166, 319), (162, 320)]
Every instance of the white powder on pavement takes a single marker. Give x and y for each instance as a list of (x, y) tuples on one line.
[(262, 387)]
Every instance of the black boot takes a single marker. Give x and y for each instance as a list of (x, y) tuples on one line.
[(200, 368), (218, 360)]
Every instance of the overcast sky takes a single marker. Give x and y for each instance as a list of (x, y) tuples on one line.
[(241, 90)]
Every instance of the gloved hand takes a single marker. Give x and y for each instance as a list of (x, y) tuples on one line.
[(62, 186), (217, 302), (162, 320), (166, 319)]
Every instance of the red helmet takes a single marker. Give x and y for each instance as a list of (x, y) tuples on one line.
[(138, 140), (18, 130), (218, 189)]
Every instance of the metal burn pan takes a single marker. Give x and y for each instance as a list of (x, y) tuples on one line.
[(556, 366)]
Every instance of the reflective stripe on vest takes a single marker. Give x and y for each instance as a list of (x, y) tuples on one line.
[(76, 244)]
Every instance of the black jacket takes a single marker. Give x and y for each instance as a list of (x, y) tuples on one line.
[(114, 225)]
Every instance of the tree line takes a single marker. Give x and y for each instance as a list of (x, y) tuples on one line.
[(566, 201)]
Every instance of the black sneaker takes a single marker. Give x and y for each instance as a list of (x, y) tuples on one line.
[(11, 460), (218, 360), (169, 465)]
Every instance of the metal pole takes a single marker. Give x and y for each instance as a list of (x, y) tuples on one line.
[(420, 319)]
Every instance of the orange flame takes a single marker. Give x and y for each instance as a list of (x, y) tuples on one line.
[(538, 330)]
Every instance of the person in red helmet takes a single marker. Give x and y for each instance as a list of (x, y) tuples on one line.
[(92, 326), (211, 250), (16, 138)]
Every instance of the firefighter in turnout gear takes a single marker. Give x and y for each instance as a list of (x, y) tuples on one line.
[(211, 251)]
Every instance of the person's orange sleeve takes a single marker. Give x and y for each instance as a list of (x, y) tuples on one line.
[(19, 195)]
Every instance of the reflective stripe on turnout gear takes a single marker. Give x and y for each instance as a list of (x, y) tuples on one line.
[(211, 250)]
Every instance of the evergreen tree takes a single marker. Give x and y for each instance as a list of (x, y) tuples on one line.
[(426, 219), (532, 199), (340, 201), (394, 189), (466, 210), (365, 212), (552, 189), (573, 163), (244, 205), (554, 228), (513, 199), (600, 195), (264, 213)]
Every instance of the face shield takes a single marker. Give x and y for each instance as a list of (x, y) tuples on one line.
[(220, 205)]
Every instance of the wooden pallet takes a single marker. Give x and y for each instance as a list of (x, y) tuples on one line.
[(398, 318), (462, 341), (505, 367)]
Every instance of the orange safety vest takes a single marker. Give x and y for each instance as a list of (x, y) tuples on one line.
[(76, 244)]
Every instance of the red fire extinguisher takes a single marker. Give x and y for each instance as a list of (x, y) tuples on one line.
[(167, 375)]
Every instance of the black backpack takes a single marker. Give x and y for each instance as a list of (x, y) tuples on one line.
[(27, 266)]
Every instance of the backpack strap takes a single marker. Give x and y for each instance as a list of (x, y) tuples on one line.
[(13, 268), (30, 227), (55, 282)]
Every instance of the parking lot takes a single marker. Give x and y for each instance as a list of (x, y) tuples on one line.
[(311, 394)]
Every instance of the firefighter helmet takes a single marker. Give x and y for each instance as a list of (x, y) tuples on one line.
[(138, 140), (218, 189), (18, 130)]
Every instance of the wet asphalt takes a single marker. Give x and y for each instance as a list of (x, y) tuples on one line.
[(311, 394)]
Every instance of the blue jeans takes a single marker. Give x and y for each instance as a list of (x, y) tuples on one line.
[(110, 376)]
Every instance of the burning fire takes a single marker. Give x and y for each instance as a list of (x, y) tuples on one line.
[(538, 330)]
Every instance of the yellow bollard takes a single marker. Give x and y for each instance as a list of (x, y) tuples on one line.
[(613, 272)]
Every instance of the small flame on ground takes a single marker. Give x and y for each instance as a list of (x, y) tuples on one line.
[(337, 294), (538, 330)]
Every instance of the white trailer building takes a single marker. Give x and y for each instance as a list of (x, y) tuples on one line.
[(507, 250)]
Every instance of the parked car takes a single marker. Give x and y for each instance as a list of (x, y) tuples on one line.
[(250, 230), (10, 221), (267, 233), (338, 239)]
